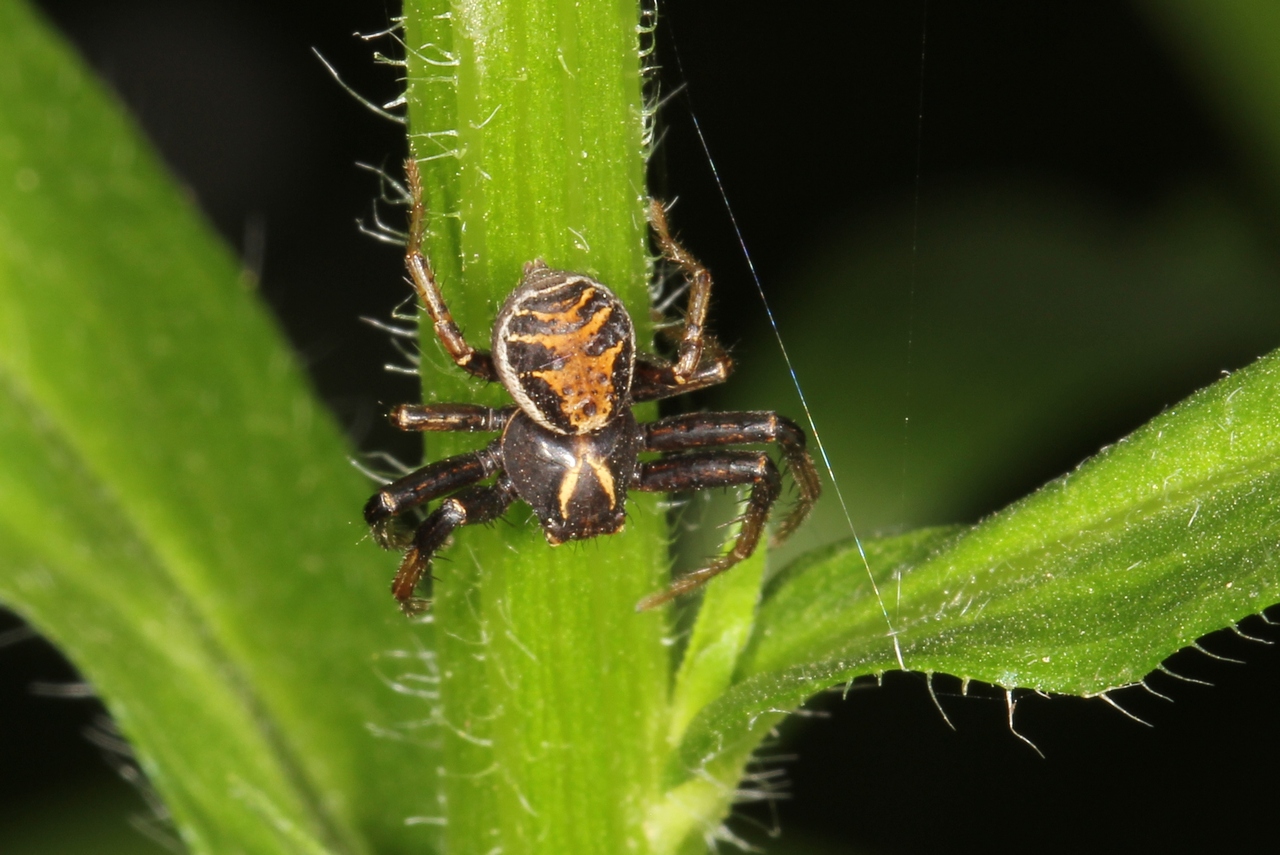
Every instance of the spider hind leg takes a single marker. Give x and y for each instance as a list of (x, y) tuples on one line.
[(700, 430), (704, 471)]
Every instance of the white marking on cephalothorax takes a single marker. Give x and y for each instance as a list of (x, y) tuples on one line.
[(598, 467)]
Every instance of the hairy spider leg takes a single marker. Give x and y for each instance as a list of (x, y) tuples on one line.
[(423, 485), (704, 471), (421, 276), (654, 380), (450, 417), (689, 352), (475, 505), (699, 430)]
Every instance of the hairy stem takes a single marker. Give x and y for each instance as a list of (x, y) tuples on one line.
[(527, 120)]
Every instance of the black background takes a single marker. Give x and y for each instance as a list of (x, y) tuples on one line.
[(1078, 93)]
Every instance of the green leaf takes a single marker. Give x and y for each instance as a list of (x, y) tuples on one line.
[(176, 510), (721, 631), (1083, 587), (1042, 326)]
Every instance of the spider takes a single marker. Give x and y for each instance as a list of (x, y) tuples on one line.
[(564, 348)]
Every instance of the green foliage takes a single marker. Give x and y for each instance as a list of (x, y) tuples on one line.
[(176, 512), (1083, 587)]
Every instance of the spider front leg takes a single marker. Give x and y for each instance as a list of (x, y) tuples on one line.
[(704, 471), (689, 351), (700, 430), (477, 362), (423, 485), (477, 505)]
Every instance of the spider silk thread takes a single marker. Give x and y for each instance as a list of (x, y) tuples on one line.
[(777, 335)]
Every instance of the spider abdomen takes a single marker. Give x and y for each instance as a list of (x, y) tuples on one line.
[(576, 484), (564, 347)]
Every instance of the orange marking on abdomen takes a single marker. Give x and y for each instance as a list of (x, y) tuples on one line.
[(583, 383)]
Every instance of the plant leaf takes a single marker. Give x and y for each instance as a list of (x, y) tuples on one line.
[(176, 510), (1083, 587), (1044, 325), (720, 633)]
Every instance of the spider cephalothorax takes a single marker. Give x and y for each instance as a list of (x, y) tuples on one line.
[(563, 346)]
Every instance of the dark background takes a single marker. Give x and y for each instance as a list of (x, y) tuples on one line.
[(819, 125)]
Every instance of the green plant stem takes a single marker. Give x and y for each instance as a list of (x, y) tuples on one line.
[(527, 120)]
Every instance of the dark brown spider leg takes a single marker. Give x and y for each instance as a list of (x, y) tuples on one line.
[(425, 484), (654, 380), (477, 362), (453, 417), (699, 430), (703, 472), (477, 505), (689, 353)]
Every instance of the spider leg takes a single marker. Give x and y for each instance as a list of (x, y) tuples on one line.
[(476, 505), (423, 279), (654, 380), (425, 484), (689, 353), (699, 430), (703, 471), (454, 417)]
